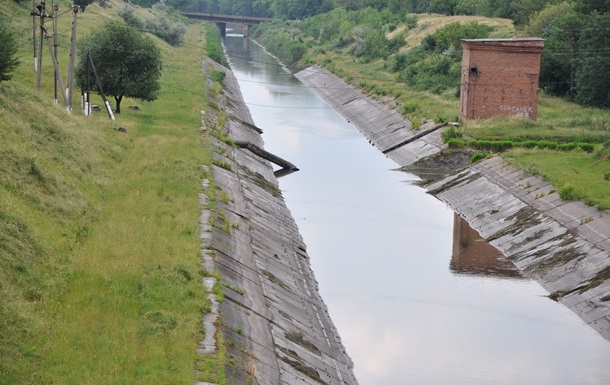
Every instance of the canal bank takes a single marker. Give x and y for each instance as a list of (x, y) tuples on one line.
[(565, 246), (275, 326)]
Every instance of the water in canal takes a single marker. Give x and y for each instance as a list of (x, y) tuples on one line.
[(416, 297)]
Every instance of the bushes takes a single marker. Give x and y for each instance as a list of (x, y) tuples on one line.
[(8, 51), (170, 31), (503, 145), (435, 64), (217, 76), (569, 193), (213, 46)]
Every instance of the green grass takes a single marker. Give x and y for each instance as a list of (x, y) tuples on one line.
[(583, 172), (99, 246)]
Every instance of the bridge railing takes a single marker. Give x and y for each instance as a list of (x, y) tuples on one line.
[(226, 18)]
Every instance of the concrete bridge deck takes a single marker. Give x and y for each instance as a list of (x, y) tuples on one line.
[(222, 20)]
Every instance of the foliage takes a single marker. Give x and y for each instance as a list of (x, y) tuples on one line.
[(160, 25), (449, 37), (212, 44), (217, 76), (127, 62), (8, 50), (452, 132), (592, 80), (445, 7), (83, 3), (435, 65), (573, 62), (479, 156), (472, 7), (284, 45), (568, 193), (503, 145)]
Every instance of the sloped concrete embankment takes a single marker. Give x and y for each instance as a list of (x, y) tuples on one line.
[(276, 327), (563, 245)]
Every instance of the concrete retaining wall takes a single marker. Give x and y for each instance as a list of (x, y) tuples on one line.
[(276, 326), (563, 245)]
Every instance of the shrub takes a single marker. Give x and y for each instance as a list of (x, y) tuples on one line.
[(456, 143), (409, 108), (479, 156), (218, 76), (8, 51), (170, 31), (569, 193), (411, 21)]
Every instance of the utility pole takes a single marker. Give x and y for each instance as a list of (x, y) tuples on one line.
[(56, 67), (42, 10), (55, 12), (88, 93), (72, 56), (34, 14), (99, 86)]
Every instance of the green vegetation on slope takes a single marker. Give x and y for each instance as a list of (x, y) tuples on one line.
[(99, 247)]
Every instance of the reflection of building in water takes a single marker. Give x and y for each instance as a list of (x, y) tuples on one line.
[(475, 256)]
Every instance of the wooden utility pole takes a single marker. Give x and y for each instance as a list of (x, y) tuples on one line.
[(56, 67), (34, 40), (42, 10), (99, 86), (55, 12), (72, 56), (88, 93)]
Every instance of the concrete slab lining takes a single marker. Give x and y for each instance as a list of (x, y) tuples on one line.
[(276, 327), (563, 245)]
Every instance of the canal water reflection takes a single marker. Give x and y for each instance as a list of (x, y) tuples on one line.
[(414, 303)]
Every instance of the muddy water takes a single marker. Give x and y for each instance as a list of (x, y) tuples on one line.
[(416, 296)]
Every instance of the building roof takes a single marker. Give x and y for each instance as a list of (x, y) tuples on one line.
[(513, 39)]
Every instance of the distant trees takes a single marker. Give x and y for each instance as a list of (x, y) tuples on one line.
[(127, 61), (593, 64), (575, 59), (8, 51), (574, 63)]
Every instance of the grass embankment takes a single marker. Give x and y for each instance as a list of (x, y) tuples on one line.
[(99, 247), (585, 174)]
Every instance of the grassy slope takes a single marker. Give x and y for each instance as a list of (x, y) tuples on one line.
[(557, 119), (429, 23), (99, 243)]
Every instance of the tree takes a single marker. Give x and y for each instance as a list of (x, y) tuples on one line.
[(8, 51), (445, 7), (82, 3), (127, 62), (560, 26), (472, 7), (592, 80), (590, 6)]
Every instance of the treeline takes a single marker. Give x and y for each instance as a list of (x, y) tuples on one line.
[(575, 61), (519, 11), (576, 58)]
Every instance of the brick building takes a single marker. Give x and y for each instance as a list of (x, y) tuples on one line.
[(500, 77)]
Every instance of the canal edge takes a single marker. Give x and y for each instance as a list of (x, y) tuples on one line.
[(275, 326)]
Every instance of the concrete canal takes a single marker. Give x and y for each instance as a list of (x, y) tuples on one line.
[(416, 297)]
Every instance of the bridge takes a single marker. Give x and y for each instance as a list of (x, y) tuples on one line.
[(222, 20)]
